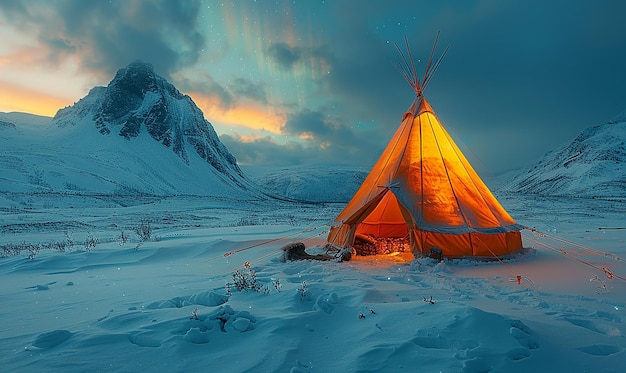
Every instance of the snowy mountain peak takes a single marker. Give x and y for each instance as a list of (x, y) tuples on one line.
[(138, 100), (592, 165), (138, 78)]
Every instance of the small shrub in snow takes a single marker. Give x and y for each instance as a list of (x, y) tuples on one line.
[(70, 240), (10, 249), (123, 238), (247, 221), (144, 232), (245, 279), (16, 249), (90, 242), (60, 246), (194, 314), (302, 290), (277, 284), (33, 249)]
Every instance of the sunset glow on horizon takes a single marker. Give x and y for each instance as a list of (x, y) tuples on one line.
[(244, 116), (18, 99)]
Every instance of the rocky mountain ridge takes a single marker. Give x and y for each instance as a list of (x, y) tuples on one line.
[(137, 98)]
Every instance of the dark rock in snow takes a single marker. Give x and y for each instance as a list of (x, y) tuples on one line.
[(6, 124)]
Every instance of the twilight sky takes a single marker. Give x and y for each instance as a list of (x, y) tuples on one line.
[(295, 82)]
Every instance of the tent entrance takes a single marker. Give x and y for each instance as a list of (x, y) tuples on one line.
[(384, 230), (385, 220)]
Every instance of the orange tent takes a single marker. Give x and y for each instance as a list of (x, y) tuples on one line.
[(422, 187)]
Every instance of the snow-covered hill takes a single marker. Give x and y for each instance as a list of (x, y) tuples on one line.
[(137, 135), (310, 183), (592, 165)]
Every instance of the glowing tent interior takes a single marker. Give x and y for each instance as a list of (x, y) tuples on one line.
[(423, 190)]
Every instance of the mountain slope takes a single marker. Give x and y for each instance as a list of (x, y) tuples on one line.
[(138, 135), (312, 183), (592, 165)]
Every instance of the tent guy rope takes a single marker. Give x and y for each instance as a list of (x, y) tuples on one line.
[(562, 251)]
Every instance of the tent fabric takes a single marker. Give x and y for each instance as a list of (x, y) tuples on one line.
[(423, 185)]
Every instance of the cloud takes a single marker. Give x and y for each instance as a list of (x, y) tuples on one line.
[(307, 121), (319, 127), (317, 138), (107, 35), (204, 86), (285, 55), (265, 151), (240, 115), (246, 88)]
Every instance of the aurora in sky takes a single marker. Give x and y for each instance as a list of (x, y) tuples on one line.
[(300, 82)]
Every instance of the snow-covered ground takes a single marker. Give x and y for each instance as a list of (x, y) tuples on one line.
[(117, 308)]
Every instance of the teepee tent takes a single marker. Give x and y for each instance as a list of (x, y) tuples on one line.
[(423, 189)]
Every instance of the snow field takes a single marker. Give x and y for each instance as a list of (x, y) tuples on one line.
[(119, 309)]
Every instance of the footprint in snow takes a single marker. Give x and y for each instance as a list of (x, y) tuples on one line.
[(600, 350), (523, 334), (41, 287), (51, 339), (594, 326), (143, 340)]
